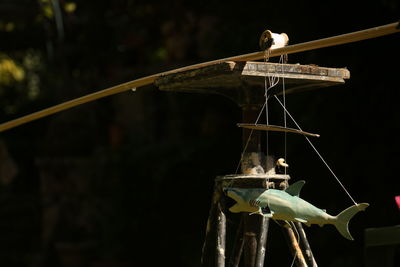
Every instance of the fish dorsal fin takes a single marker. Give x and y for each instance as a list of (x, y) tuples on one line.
[(294, 189)]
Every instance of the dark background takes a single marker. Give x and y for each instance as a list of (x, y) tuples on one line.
[(127, 180)]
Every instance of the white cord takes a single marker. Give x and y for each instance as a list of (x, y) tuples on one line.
[(316, 151), (282, 60)]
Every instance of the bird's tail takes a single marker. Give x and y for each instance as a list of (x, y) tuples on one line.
[(343, 218)]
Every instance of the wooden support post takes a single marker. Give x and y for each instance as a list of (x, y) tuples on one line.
[(262, 242), (221, 230), (251, 238), (213, 253), (237, 248)]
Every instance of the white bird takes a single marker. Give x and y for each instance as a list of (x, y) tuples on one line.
[(281, 165)]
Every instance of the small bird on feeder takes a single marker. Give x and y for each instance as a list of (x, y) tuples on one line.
[(272, 40), (281, 165)]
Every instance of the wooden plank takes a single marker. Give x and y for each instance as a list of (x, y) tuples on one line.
[(234, 74), (234, 79), (261, 68)]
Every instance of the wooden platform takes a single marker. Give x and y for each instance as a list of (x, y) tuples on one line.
[(229, 78)]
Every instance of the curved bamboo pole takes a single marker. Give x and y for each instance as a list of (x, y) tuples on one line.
[(296, 48)]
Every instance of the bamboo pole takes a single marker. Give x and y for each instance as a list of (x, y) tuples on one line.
[(295, 248), (296, 48), (309, 257)]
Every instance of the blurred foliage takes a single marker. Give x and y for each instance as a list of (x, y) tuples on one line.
[(7, 26), (20, 76), (47, 8), (9, 71)]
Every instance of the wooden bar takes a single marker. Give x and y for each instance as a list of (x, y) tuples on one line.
[(338, 39)]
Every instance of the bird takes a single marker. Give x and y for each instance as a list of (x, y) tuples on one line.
[(280, 166), (272, 40)]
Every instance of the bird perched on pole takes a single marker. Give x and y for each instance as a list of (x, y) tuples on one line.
[(281, 166), (272, 40)]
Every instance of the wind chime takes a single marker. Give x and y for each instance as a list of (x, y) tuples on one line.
[(261, 192)]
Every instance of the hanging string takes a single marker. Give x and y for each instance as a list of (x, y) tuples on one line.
[(316, 151), (283, 60), (266, 106), (248, 139), (273, 80)]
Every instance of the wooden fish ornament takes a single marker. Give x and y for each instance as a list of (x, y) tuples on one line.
[(288, 206)]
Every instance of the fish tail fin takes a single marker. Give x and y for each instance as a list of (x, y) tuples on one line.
[(343, 218)]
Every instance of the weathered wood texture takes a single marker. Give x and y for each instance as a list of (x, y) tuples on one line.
[(233, 79)]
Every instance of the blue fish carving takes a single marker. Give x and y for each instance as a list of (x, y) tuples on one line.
[(286, 205)]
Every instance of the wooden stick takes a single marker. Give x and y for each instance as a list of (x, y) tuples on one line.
[(326, 42), (274, 128), (306, 246), (295, 248)]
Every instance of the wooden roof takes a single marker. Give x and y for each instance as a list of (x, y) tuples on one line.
[(231, 78)]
